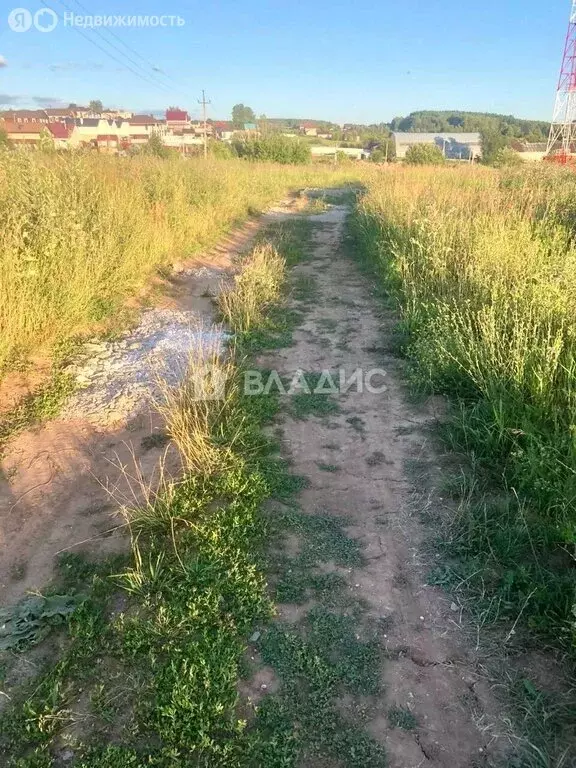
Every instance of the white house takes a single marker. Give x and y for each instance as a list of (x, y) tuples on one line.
[(455, 146)]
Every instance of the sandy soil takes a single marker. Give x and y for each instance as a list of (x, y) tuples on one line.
[(429, 669)]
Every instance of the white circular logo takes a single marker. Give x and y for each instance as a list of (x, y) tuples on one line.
[(45, 20), (20, 20)]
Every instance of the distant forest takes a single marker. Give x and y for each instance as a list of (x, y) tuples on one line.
[(484, 122)]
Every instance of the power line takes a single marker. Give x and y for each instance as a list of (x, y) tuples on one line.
[(156, 71), (145, 77), (204, 103)]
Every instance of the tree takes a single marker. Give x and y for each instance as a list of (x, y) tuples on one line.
[(155, 148), (424, 154), (507, 158), (242, 114), (96, 106), (492, 143)]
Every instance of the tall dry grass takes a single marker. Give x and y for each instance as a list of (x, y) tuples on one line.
[(483, 266), (257, 286), (80, 233)]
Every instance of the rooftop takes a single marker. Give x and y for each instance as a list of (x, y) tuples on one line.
[(422, 138)]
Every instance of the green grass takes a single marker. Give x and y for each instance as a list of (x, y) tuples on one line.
[(400, 717), (480, 265), (44, 402), (313, 403), (161, 671), (149, 661)]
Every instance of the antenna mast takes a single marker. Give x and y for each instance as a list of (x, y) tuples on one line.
[(562, 138)]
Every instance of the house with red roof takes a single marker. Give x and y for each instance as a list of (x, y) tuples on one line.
[(177, 118), (309, 128), (26, 134), (60, 133), (24, 116), (224, 129)]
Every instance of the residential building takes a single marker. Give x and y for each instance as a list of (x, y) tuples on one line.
[(116, 114), (177, 118), (58, 115), (355, 153), (308, 128), (25, 134), (107, 143), (224, 129), (60, 133), (455, 146), (530, 152), (141, 127), (25, 116)]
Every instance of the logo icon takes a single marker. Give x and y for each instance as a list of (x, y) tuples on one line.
[(45, 20), (20, 20)]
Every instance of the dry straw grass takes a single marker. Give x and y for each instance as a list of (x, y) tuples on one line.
[(256, 287), (81, 233)]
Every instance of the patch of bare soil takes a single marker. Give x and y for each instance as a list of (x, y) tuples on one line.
[(61, 483), (355, 462)]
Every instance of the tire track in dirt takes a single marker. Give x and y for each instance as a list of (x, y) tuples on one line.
[(355, 461)]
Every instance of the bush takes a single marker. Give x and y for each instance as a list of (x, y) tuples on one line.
[(274, 148), (222, 150), (507, 158), (425, 154), (155, 148)]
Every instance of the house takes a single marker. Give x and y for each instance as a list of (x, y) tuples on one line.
[(455, 146), (186, 142), (177, 118), (141, 127), (87, 129), (60, 133), (308, 128), (224, 129), (25, 116), (26, 134), (116, 114), (354, 153), (81, 111), (56, 115), (531, 152), (107, 143)]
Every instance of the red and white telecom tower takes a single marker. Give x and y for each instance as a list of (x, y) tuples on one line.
[(562, 138)]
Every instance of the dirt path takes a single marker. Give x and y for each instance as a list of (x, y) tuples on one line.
[(433, 708)]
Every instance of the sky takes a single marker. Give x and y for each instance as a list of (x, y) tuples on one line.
[(360, 62)]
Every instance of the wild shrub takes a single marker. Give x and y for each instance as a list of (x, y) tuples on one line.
[(274, 148)]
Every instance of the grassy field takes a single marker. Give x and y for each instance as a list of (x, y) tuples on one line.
[(151, 646), (483, 267), (82, 233)]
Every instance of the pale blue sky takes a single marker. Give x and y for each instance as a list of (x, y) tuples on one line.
[(363, 61)]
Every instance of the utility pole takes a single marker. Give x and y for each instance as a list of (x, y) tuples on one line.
[(204, 103)]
